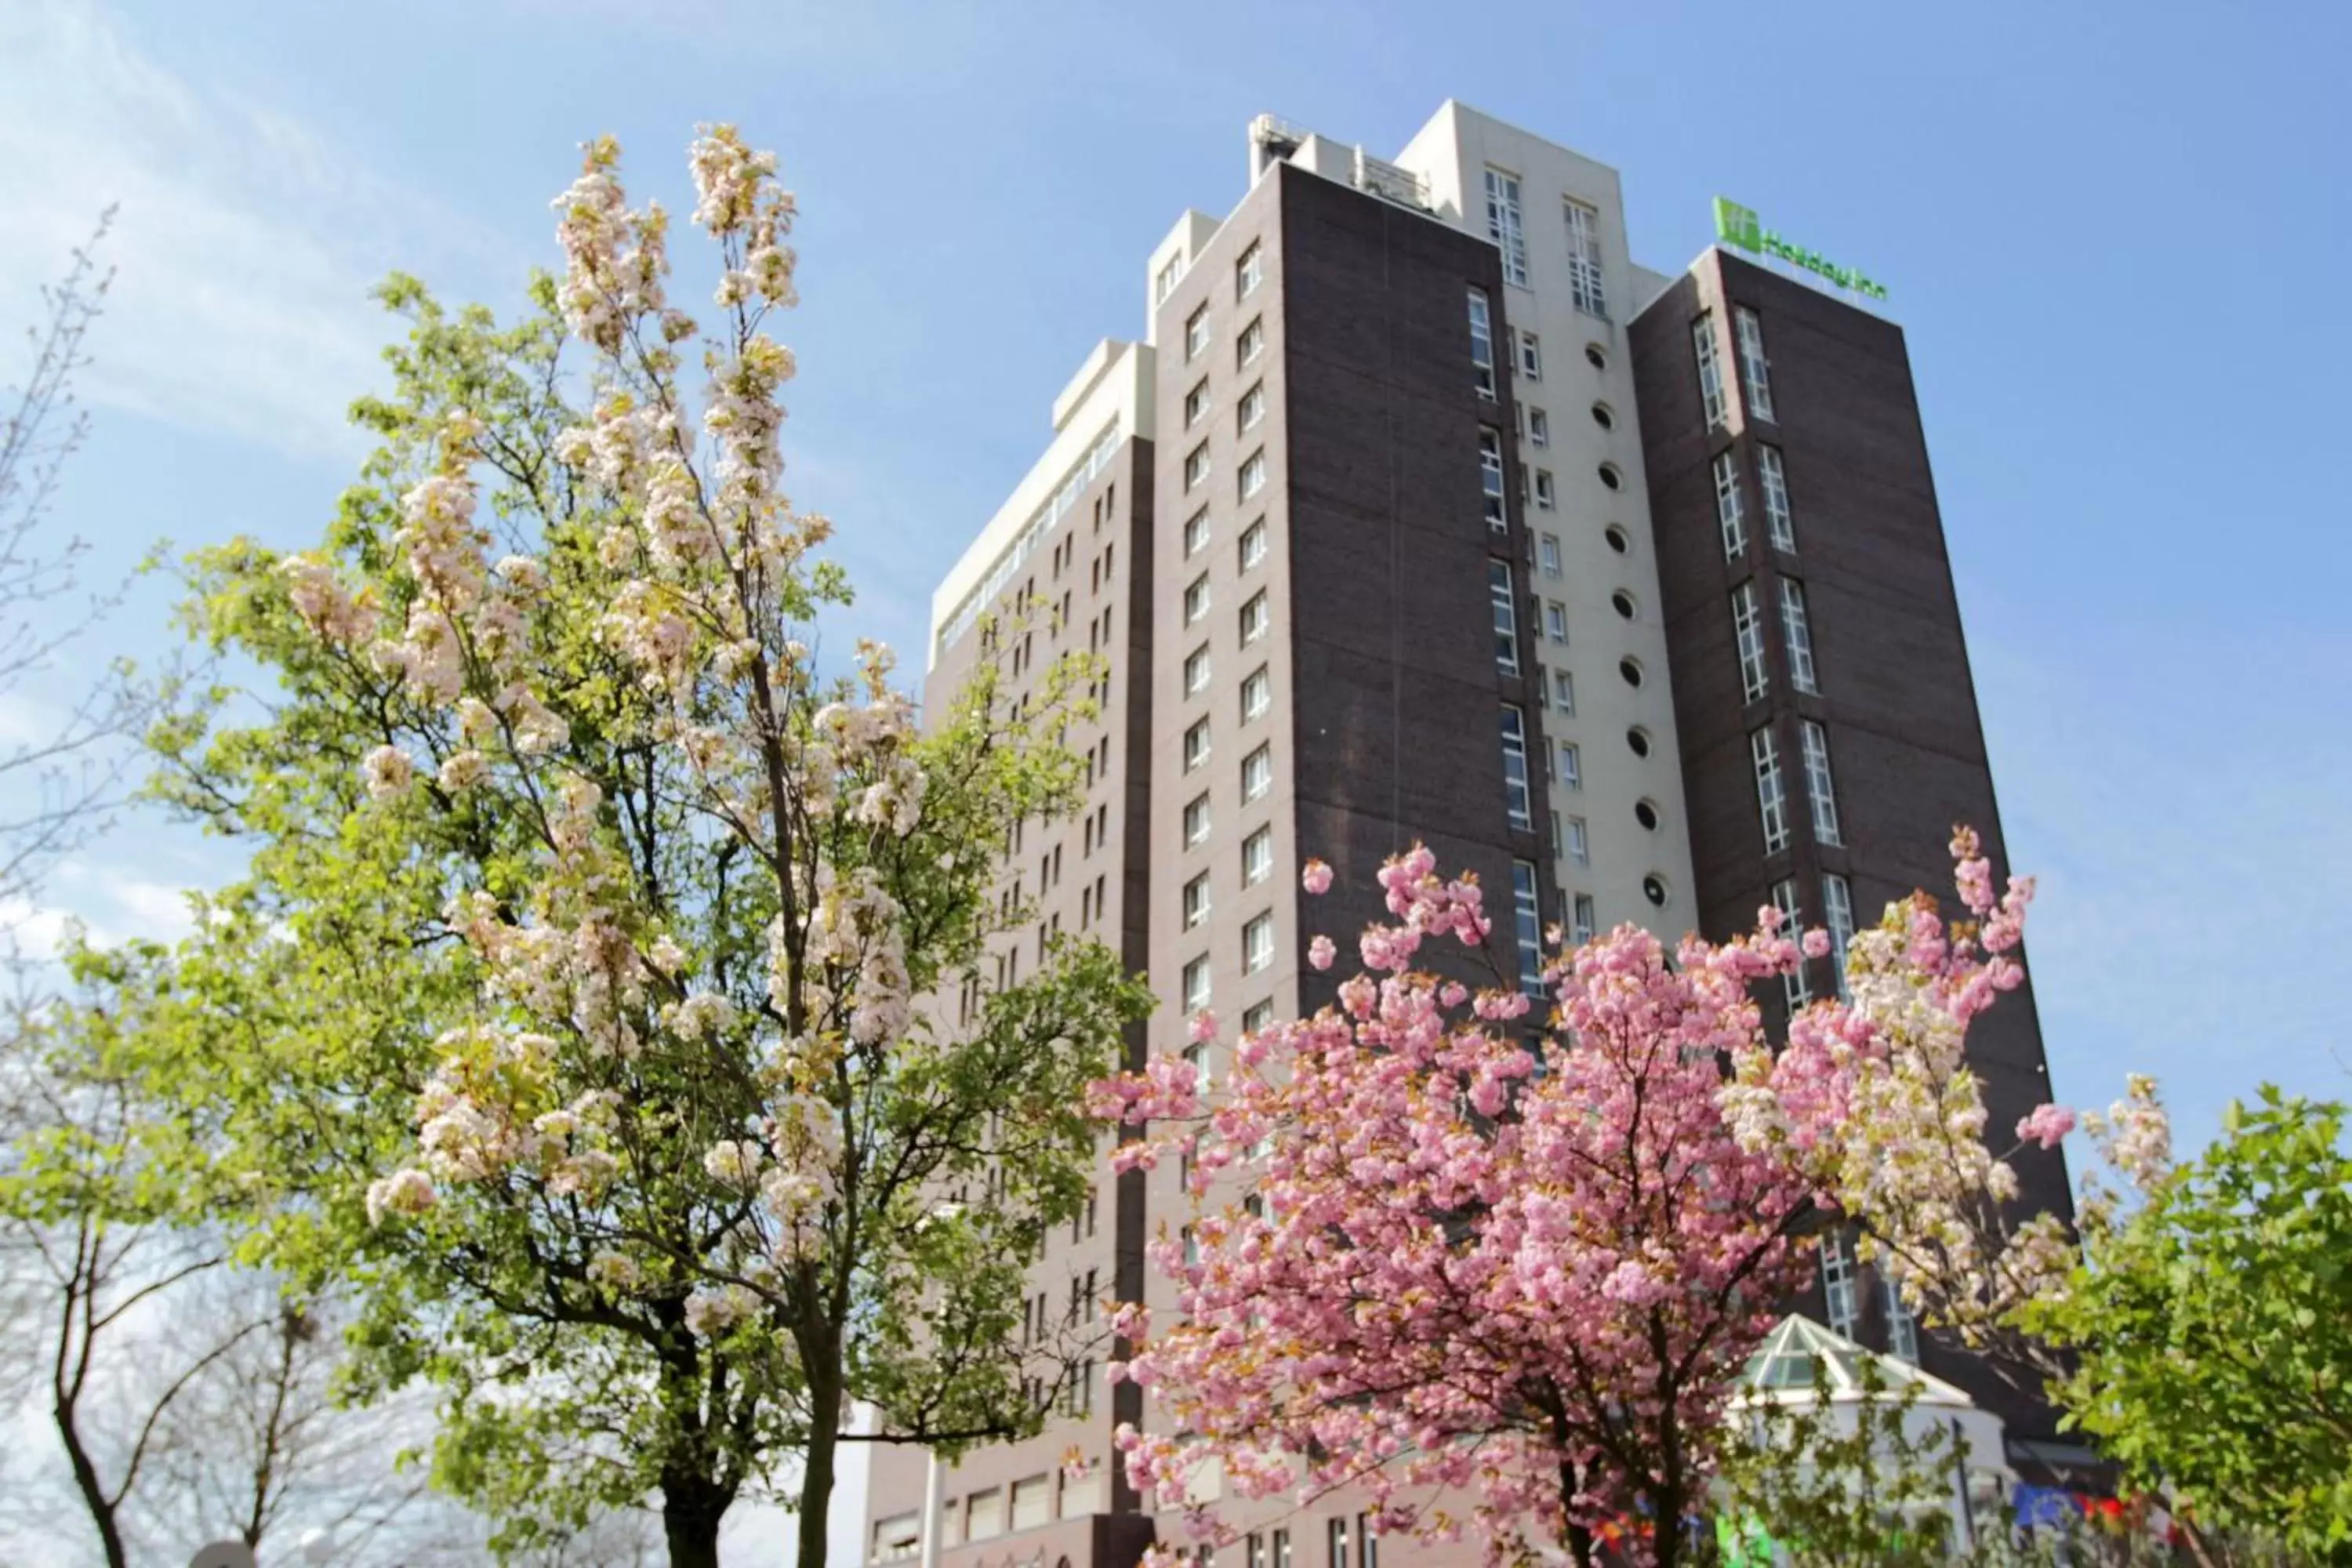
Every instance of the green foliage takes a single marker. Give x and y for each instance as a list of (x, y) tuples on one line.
[(338, 981), (1868, 1483), (2212, 1330)]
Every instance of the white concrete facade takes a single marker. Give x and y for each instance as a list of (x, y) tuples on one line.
[(1451, 155)]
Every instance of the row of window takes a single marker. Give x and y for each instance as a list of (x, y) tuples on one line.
[(1837, 911), (1272, 1549), (1731, 512), (1249, 271), (1796, 639), (1841, 1302), (1771, 796), (994, 1510), (1755, 369), (1580, 228), (1250, 480)]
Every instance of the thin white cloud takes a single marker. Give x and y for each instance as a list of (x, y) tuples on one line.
[(113, 905), (244, 246)]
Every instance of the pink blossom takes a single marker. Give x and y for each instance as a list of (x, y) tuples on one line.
[(1317, 878), (1203, 1027), (2046, 1125), (1321, 951)]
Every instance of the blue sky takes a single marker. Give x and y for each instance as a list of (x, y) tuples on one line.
[(2108, 230)]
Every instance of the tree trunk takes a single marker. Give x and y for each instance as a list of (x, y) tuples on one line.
[(816, 1474), (93, 1491), (691, 1508), (1578, 1538)]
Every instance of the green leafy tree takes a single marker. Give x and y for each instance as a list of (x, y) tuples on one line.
[(2211, 1329), (575, 1005), (1859, 1483)]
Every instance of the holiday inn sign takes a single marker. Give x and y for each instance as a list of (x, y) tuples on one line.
[(1736, 225)]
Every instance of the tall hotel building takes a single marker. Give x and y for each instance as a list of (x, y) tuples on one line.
[(1421, 511)]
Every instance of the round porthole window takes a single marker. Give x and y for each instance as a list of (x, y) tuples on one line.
[(1622, 601), (1647, 813), (1639, 740), (1619, 540), (1653, 888), (1612, 478), (1630, 668), (1596, 356), (1603, 418)]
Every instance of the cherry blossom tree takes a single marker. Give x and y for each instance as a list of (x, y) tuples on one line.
[(1488, 1258), (1478, 1256), (571, 1009)]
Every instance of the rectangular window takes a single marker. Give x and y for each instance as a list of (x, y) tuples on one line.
[(1503, 224), (1527, 919), (1196, 531), (1196, 901), (1196, 985), (1837, 910), (1531, 355), (1196, 598), (1544, 493), (1779, 520), (1253, 1551), (1755, 370), (1257, 857), (1901, 1329), (1196, 822), (1196, 745), (1819, 787), (1252, 342), (1578, 844), (1586, 924), (1282, 1548), (1032, 1501), (1748, 628), (1337, 1532), (1794, 988), (1196, 403), (1257, 945), (1584, 259), (1253, 544), (1257, 617), (1258, 1016), (1196, 466), (1196, 332), (1257, 695), (1516, 802), (1482, 344), (1728, 511), (1490, 475), (1257, 774), (1506, 616), (1539, 428), (1797, 632), (1367, 1542), (1249, 271), (1169, 276), (1571, 766), (1771, 797), (1556, 620), (1252, 407), (1253, 474), (1548, 553), (1839, 1303), (1710, 369), (1563, 691), (1196, 671)]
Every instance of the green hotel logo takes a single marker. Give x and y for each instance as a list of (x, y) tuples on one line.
[(1738, 226)]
